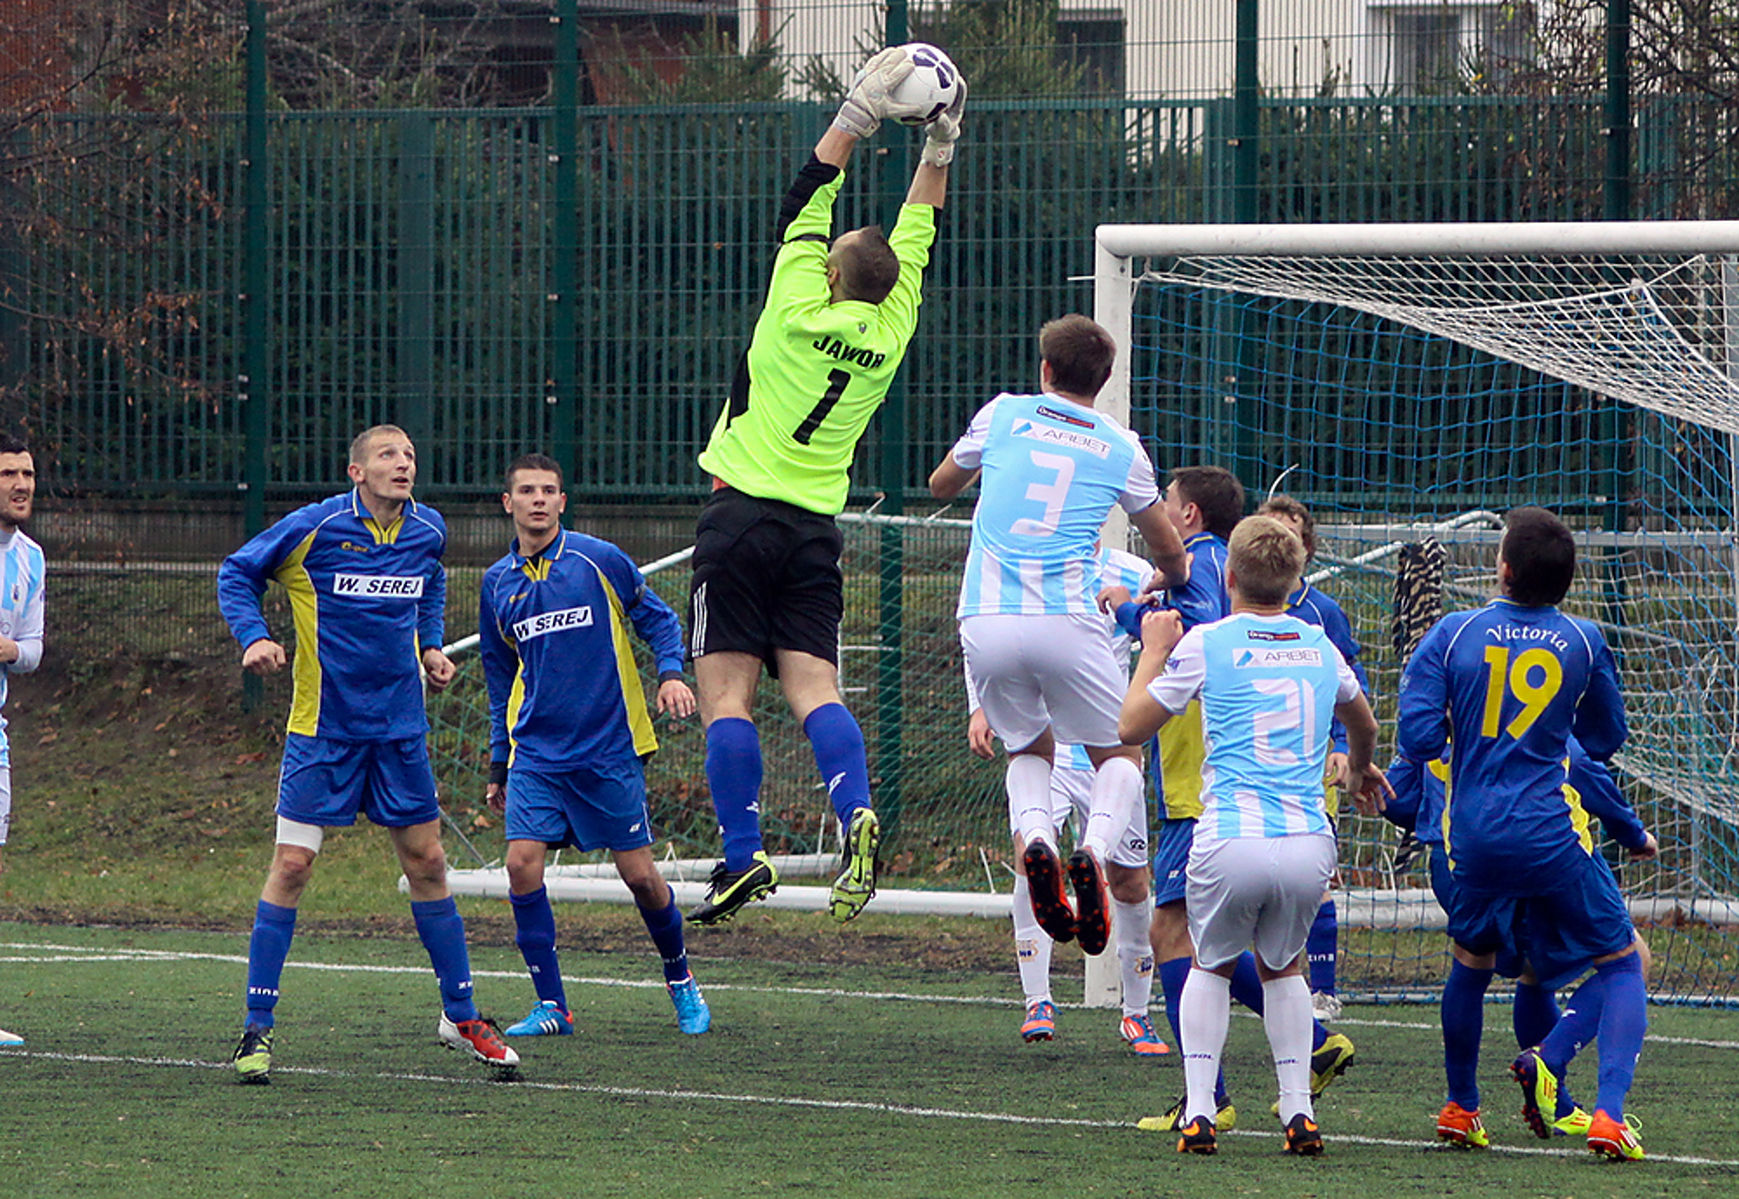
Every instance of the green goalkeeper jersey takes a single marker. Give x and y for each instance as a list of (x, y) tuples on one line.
[(815, 371)]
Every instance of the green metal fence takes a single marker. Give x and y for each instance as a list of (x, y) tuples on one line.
[(411, 260)]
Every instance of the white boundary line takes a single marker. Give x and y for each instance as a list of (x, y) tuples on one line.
[(851, 1105), (73, 953)]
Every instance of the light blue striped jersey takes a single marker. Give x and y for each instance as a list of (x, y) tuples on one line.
[(1268, 686), (1053, 470), (20, 610)]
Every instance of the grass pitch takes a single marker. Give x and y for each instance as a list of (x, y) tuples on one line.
[(867, 1080)]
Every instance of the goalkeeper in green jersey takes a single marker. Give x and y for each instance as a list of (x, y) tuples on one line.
[(767, 587)]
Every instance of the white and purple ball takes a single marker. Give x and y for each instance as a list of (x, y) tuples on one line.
[(932, 86)]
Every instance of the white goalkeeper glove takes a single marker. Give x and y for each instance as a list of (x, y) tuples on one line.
[(941, 134), (866, 103)]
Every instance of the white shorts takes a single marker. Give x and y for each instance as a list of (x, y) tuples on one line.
[(1255, 891), (1039, 672), (1072, 795)]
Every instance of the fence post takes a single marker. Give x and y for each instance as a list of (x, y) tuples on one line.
[(564, 232), (416, 279), (252, 389), (890, 708)]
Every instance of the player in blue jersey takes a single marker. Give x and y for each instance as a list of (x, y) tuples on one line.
[(367, 590), (1126, 867), (1418, 806), (569, 732), (1262, 848), (1311, 605), (21, 607), (1509, 684), (1038, 648)]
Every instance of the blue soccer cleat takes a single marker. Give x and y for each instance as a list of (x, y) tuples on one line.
[(11, 1040), (1040, 1023), (545, 1020), (693, 1016), (1138, 1032)]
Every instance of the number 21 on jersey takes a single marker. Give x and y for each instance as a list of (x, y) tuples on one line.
[(1534, 678)]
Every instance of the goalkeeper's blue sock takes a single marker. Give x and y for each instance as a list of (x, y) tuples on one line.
[(1463, 1022), (733, 773), (1577, 1026), (665, 926), (534, 924), (837, 740), (1247, 990), (1535, 1014), (1322, 948), (274, 926), (1623, 1021), (442, 930)]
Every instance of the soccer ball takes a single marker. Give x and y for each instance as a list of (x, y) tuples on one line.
[(934, 83)]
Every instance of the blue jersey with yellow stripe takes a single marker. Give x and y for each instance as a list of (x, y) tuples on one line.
[(1422, 798), (1509, 684), (553, 630), (1180, 749), (367, 599)]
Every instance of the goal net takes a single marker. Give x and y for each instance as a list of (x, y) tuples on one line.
[(1400, 378)]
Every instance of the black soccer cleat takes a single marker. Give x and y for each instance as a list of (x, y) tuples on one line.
[(1044, 877), (1198, 1136), (1303, 1137), (729, 890), (1092, 902)]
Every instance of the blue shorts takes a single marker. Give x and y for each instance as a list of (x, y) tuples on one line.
[(582, 807), (1559, 918), (1171, 859), (326, 781), (1509, 964)]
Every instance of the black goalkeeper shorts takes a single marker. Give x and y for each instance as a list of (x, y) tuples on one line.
[(766, 577)]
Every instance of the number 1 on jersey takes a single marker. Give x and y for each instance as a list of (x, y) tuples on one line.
[(836, 381)]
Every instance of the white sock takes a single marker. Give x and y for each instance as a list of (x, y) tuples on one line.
[(1286, 1015), (1205, 1011), (1032, 946), (1130, 923), (1028, 780), (1116, 795)]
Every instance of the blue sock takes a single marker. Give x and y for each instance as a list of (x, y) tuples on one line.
[(838, 744), (1247, 990), (274, 926), (1622, 1025), (443, 933), (1463, 1022), (1321, 948), (534, 925), (1535, 1014), (733, 772), (665, 925), (1172, 976), (1578, 1025)]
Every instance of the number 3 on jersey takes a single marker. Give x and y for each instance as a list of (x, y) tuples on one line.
[(1053, 494), (1517, 679)]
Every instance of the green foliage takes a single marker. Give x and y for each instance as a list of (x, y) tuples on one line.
[(1007, 49), (703, 67)]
